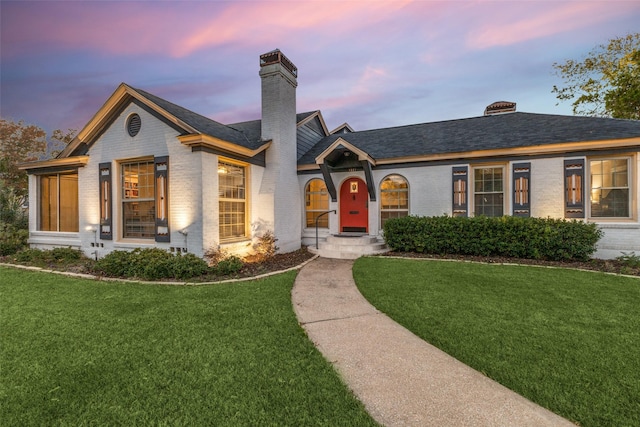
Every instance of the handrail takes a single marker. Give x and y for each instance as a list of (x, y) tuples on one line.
[(323, 213)]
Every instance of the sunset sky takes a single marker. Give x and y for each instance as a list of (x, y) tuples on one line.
[(369, 63)]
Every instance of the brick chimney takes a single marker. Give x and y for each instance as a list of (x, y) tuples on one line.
[(280, 200)]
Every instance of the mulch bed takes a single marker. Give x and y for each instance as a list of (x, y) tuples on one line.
[(281, 262)]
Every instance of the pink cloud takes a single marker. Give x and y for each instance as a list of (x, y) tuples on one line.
[(504, 26), (270, 22), (178, 29)]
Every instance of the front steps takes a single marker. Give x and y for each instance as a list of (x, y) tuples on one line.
[(349, 246)]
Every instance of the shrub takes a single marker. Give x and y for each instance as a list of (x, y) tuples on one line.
[(265, 247), (229, 265), (30, 256), (114, 264), (151, 264), (58, 256), (188, 266), (629, 259), (534, 238), (12, 238)]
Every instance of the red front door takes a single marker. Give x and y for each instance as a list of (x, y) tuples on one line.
[(354, 206)]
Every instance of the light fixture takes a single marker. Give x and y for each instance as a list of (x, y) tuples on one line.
[(222, 169)]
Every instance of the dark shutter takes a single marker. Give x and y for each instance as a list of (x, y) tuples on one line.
[(162, 199), (521, 189), (574, 188), (105, 183), (460, 191)]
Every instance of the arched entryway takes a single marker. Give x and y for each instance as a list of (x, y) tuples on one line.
[(354, 206)]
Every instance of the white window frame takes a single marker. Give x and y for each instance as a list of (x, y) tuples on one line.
[(631, 178), (222, 163), (407, 190), (307, 195), (505, 188), (122, 200)]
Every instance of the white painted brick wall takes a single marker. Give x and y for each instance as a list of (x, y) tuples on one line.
[(278, 187)]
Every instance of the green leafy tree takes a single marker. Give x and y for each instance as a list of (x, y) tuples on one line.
[(19, 143), (606, 82)]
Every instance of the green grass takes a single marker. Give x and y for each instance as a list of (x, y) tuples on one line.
[(80, 352), (568, 340)]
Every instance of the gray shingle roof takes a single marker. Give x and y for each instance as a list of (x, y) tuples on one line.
[(500, 131), (205, 125)]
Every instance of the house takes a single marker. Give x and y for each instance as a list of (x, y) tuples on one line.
[(148, 173)]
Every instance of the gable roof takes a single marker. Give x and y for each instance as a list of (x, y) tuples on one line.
[(194, 128), (511, 131)]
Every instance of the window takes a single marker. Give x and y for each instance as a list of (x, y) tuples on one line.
[(488, 191), (232, 187), (59, 202), (394, 198), (138, 202), (316, 202), (609, 188)]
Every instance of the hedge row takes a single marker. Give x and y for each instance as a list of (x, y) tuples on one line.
[(534, 238), (154, 264)]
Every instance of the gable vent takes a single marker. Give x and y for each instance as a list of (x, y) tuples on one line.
[(500, 107), (133, 125)]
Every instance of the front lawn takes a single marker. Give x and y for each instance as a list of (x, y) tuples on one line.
[(83, 352), (568, 340)]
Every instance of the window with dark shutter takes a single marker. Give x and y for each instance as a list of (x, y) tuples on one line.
[(574, 188), (162, 199), (106, 221), (460, 174), (521, 190)]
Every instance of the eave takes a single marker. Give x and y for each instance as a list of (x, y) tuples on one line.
[(201, 140), (121, 96), (362, 155), (533, 150), (66, 162)]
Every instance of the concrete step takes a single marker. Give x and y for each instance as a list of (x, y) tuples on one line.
[(349, 246)]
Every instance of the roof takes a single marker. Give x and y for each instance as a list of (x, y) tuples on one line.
[(502, 131), (242, 136)]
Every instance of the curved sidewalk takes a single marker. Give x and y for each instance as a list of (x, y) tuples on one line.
[(401, 379)]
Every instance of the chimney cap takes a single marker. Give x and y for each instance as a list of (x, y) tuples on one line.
[(277, 57), (500, 107)]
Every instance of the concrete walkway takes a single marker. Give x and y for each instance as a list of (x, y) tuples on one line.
[(401, 379)]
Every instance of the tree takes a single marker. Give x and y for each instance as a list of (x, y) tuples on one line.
[(19, 143), (606, 82)]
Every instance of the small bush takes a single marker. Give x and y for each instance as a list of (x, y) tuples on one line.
[(57, 256), (12, 238), (151, 264), (114, 264), (630, 259), (533, 238), (266, 247), (229, 265), (30, 256), (188, 266)]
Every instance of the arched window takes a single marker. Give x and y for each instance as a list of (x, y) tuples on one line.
[(394, 198), (316, 199)]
